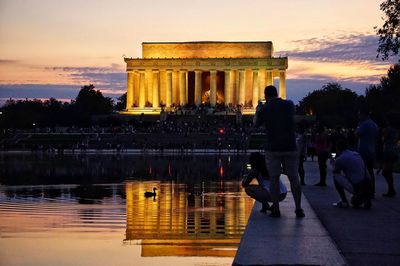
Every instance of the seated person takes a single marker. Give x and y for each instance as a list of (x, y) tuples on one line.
[(261, 192), (351, 174)]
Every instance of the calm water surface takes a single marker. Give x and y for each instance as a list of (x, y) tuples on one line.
[(193, 220)]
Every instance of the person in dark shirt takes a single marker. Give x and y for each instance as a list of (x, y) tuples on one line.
[(367, 133), (277, 116), (390, 137)]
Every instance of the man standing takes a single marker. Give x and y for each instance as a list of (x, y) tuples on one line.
[(277, 115), (367, 133)]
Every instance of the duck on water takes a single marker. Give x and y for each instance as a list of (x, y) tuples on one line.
[(148, 194)]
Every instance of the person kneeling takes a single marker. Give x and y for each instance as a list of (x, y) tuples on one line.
[(355, 178), (261, 192)]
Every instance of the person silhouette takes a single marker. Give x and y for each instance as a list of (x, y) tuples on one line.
[(277, 117), (262, 191)]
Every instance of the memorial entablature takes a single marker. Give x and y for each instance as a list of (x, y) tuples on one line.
[(180, 73)]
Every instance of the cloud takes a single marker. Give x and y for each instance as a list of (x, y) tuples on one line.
[(297, 89), (358, 48), (38, 91), (106, 69), (111, 77), (8, 61)]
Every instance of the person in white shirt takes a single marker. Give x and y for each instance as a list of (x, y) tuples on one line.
[(351, 174), (261, 192)]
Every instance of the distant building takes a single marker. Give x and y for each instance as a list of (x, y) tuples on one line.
[(180, 73)]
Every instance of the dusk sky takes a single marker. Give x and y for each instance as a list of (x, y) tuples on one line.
[(50, 48)]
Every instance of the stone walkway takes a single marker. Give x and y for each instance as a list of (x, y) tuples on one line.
[(327, 235)]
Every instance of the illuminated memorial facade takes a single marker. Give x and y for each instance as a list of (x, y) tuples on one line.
[(180, 73)]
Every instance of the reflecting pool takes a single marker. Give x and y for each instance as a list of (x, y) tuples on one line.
[(192, 220)]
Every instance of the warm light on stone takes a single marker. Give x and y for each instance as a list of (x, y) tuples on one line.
[(173, 73)]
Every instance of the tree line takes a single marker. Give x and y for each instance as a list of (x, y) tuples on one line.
[(50, 113), (332, 105)]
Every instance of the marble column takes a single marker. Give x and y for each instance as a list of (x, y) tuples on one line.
[(136, 83), (129, 91), (282, 84), (261, 83), (169, 89), (228, 88), (242, 87), (197, 87), (256, 91), (213, 87), (142, 92), (269, 79), (156, 88), (182, 87)]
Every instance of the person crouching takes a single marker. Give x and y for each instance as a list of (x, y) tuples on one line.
[(351, 174), (261, 192)]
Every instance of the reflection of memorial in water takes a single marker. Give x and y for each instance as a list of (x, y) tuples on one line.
[(176, 223)]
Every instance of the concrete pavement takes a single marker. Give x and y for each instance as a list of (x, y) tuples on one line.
[(327, 235), (364, 237)]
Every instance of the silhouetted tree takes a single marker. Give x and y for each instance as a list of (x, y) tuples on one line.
[(332, 105), (34, 113), (91, 101), (389, 33), (384, 98), (121, 102)]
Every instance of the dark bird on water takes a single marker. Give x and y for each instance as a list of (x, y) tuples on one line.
[(151, 194)]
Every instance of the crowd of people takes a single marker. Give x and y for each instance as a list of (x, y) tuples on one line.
[(352, 153)]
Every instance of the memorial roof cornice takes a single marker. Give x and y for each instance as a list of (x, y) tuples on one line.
[(203, 58), (193, 42)]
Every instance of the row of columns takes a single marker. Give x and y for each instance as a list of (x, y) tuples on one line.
[(260, 80)]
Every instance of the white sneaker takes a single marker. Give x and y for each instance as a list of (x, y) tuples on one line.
[(341, 204)]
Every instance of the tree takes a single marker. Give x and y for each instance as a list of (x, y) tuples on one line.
[(90, 101), (34, 113), (384, 98), (389, 33), (121, 103), (332, 105)]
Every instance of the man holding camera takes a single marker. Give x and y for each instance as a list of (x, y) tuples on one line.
[(277, 116)]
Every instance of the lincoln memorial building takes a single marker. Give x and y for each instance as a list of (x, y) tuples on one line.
[(174, 74)]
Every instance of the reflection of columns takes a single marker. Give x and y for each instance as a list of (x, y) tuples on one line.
[(242, 86), (269, 78), (282, 84), (228, 88), (182, 87), (213, 87), (156, 88), (129, 91), (255, 88), (197, 87), (169, 88), (261, 83), (142, 93)]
